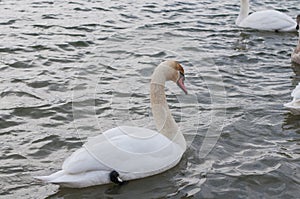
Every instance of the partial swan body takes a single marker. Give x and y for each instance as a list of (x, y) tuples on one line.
[(294, 105), (267, 20), (296, 53), (125, 152)]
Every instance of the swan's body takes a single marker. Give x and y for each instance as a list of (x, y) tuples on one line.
[(296, 53), (268, 20), (131, 152), (294, 105)]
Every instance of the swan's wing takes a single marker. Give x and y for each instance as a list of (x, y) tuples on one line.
[(130, 150), (137, 150), (269, 20), (81, 161)]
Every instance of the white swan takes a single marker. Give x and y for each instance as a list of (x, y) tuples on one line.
[(294, 105), (125, 153), (296, 53), (269, 20)]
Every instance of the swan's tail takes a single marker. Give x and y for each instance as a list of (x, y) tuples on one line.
[(51, 177), (78, 180)]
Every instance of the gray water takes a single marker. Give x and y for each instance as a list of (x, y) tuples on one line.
[(73, 69)]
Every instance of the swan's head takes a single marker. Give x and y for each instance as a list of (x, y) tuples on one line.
[(298, 22), (177, 74)]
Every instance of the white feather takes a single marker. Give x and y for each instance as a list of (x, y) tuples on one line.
[(294, 105), (268, 20)]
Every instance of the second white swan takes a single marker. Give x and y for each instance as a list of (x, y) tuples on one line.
[(268, 20)]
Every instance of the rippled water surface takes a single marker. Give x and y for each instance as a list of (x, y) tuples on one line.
[(72, 69)]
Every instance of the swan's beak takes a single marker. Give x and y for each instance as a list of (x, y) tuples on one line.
[(180, 83)]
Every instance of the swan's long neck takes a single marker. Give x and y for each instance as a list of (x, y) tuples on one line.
[(163, 119), (297, 50), (244, 11)]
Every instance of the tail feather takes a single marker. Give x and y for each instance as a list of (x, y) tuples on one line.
[(51, 177), (78, 180)]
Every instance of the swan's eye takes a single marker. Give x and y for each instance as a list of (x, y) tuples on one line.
[(182, 75)]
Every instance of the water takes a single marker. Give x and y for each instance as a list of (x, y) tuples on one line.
[(72, 69)]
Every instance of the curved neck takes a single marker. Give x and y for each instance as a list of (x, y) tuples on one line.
[(244, 11), (163, 119), (297, 50)]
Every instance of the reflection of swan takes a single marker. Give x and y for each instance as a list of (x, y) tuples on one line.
[(294, 105), (125, 153), (270, 20), (296, 52)]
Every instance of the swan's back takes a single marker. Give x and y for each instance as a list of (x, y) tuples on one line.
[(269, 20)]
